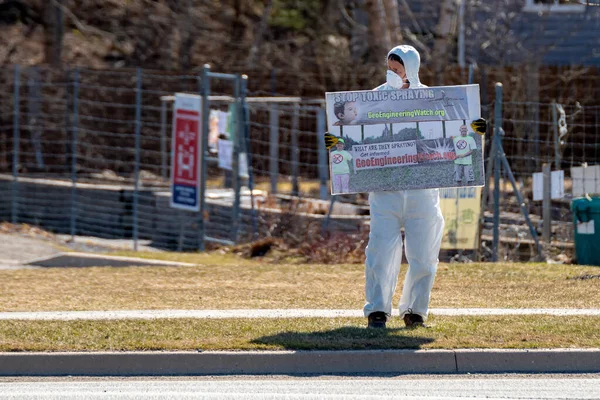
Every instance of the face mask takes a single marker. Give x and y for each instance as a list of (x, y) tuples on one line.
[(394, 80)]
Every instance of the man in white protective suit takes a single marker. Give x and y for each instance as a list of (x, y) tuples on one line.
[(418, 211)]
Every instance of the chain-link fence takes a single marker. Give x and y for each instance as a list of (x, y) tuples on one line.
[(535, 135), (88, 152)]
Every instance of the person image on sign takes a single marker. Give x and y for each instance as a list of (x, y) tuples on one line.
[(345, 111), (340, 167), (464, 146), (417, 211)]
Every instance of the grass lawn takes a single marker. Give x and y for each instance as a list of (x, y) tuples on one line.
[(224, 281), (505, 332)]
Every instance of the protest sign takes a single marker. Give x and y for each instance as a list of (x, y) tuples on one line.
[(405, 139)]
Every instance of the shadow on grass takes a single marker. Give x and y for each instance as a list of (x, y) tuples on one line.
[(347, 338)]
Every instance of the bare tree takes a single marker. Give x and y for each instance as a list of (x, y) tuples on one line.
[(443, 33), (379, 37), (393, 21), (53, 39), (238, 27), (258, 39), (185, 35)]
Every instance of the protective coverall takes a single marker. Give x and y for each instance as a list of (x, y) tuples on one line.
[(418, 211)]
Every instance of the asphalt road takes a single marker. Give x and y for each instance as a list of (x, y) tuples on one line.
[(320, 387)]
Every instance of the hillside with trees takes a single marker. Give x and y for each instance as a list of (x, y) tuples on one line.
[(291, 44)]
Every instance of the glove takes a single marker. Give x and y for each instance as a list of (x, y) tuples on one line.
[(330, 140), (479, 126)]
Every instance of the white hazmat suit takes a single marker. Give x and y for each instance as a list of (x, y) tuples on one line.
[(418, 211)]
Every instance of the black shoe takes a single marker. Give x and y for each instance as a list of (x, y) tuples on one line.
[(377, 319), (414, 321)]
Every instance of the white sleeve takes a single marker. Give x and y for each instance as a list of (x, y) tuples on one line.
[(473, 144)]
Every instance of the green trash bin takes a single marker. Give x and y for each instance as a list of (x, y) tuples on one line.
[(586, 220)]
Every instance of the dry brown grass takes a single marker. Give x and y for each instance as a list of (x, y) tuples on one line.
[(300, 334), (516, 285), (228, 282)]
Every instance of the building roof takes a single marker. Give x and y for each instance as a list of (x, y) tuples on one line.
[(561, 38), (505, 32)]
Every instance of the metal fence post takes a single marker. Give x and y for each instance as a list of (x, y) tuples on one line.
[(163, 139), (235, 162), (246, 119), (483, 86), (74, 132), (138, 123), (295, 150), (502, 158), (536, 133), (16, 145), (323, 168), (471, 69), (556, 140), (34, 113), (204, 148), (547, 203), (497, 166), (274, 146), (485, 190)]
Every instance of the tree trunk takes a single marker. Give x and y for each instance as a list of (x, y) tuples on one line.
[(54, 19), (185, 35), (443, 36), (393, 21), (260, 34), (379, 37), (238, 28)]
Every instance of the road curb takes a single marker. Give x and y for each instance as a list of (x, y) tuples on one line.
[(300, 362), (527, 361)]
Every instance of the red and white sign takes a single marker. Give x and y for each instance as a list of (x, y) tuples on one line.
[(186, 152)]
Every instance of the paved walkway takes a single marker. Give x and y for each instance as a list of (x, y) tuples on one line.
[(273, 313), (16, 250)]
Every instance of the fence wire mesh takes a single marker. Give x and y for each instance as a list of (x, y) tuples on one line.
[(60, 127)]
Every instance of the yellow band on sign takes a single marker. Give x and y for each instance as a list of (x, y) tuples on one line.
[(461, 208)]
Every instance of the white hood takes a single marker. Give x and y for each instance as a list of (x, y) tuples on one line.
[(412, 61)]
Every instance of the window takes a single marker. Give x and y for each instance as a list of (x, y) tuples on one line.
[(554, 6)]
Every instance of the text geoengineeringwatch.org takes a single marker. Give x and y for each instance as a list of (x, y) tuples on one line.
[(406, 114)]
